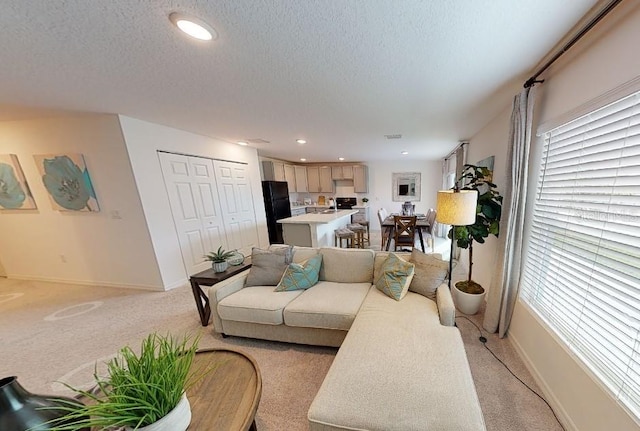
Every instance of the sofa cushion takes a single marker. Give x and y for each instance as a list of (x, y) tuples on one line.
[(381, 257), (395, 278), (422, 377), (256, 304), (347, 265), (431, 271), (299, 276), (326, 305), (267, 266), (300, 254)]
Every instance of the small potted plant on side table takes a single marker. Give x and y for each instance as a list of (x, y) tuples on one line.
[(219, 259)]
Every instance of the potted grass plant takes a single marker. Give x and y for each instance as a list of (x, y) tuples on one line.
[(219, 259), (144, 392), (468, 294)]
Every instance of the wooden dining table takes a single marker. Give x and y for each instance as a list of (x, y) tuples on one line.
[(421, 224)]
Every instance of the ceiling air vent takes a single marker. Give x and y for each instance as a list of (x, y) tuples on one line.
[(258, 141), (396, 136)]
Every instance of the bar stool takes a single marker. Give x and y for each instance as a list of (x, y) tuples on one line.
[(359, 231), (346, 234), (362, 220)]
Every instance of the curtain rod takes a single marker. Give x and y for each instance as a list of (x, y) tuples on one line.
[(448, 156), (532, 81)]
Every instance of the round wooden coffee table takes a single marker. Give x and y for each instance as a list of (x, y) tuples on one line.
[(228, 397)]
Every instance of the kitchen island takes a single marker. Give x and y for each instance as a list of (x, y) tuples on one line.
[(314, 230)]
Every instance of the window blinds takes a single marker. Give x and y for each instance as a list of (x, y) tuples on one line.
[(582, 268)]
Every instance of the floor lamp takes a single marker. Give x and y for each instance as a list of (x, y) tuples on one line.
[(456, 208)]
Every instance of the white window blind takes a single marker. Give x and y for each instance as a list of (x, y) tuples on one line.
[(582, 268)]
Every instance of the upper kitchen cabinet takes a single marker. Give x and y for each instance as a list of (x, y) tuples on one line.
[(360, 182), (342, 172), (319, 179), (290, 177), (301, 179), (273, 171)]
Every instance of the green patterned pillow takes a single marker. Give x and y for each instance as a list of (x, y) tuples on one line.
[(396, 277), (300, 275)]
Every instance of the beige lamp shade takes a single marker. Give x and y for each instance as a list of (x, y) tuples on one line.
[(457, 208)]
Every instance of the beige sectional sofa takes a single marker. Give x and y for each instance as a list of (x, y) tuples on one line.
[(401, 364)]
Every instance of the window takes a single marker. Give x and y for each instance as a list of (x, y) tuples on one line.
[(582, 270)]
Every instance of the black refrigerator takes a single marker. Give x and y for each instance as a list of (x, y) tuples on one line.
[(277, 206)]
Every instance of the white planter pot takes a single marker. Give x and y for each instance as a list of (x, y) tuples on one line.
[(177, 419), (220, 266), (467, 303)]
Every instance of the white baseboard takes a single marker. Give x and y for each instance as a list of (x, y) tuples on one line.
[(547, 393), (88, 282), (179, 283)]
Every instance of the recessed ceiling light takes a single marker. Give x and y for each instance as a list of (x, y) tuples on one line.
[(194, 27), (302, 159), (404, 153), (301, 141), (244, 144), (341, 158)]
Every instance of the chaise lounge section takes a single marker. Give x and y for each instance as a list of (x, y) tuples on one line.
[(401, 364)]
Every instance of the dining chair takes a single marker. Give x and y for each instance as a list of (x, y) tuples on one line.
[(385, 231), (430, 230), (404, 233)]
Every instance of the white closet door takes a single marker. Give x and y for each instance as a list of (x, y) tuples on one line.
[(234, 188), (192, 191)]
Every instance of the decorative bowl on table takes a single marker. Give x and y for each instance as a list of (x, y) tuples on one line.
[(236, 259)]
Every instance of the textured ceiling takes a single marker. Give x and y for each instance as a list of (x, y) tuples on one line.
[(339, 73)]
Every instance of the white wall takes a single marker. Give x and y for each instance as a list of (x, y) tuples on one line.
[(490, 141), (98, 249), (604, 60), (381, 185), (143, 140)]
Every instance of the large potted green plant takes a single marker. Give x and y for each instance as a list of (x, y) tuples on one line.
[(145, 391), (468, 294)]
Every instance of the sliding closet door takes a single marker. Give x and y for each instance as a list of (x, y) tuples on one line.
[(195, 205), (234, 188)]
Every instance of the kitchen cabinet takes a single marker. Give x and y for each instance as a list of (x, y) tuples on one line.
[(273, 171), (298, 211), (290, 177), (360, 179), (342, 172), (319, 179), (301, 179), (326, 182)]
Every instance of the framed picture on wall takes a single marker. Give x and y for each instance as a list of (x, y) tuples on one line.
[(66, 178), (14, 189)]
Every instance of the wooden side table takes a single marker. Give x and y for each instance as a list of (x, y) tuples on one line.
[(227, 398), (209, 278)]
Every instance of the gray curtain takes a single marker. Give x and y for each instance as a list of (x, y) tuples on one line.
[(504, 288)]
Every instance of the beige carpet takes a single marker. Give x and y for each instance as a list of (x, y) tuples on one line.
[(51, 332)]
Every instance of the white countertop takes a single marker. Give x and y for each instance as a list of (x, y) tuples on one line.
[(318, 218), (293, 207)]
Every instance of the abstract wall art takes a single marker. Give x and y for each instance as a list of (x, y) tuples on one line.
[(14, 190), (66, 178)]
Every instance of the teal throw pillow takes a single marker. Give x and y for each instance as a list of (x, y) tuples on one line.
[(300, 275), (395, 277)]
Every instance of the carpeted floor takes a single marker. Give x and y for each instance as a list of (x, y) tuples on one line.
[(52, 332)]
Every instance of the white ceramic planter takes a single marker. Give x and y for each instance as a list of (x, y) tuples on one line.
[(177, 419), (467, 303), (220, 266)]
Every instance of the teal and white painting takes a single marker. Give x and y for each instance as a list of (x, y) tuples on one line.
[(14, 190), (66, 178)]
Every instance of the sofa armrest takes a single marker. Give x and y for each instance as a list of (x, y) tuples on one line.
[(221, 290), (446, 308)]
